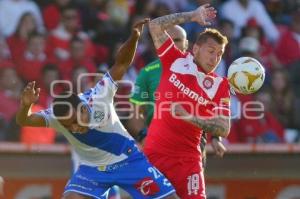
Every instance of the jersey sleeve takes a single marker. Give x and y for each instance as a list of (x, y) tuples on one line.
[(106, 87), (48, 115), (168, 53), (140, 93), (222, 100)]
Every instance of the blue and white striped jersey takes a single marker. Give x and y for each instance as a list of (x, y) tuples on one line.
[(107, 141)]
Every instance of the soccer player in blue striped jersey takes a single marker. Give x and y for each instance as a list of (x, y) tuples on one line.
[(108, 154)]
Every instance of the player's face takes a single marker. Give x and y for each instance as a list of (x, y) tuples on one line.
[(78, 121), (208, 55)]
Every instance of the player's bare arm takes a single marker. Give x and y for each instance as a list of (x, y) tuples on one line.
[(126, 52), (159, 25), (24, 117), (217, 126)]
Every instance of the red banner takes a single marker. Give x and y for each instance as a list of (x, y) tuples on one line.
[(253, 189), (33, 188)]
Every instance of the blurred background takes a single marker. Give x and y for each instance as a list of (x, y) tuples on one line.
[(48, 40)]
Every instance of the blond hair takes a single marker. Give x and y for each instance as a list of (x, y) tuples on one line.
[(213, 34)]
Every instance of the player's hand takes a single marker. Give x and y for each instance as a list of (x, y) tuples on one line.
[(204, 14), (138, 27), (30, 94), (218, 147)]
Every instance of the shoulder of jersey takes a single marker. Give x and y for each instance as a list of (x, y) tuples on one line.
[(152, 66), (224, 79)]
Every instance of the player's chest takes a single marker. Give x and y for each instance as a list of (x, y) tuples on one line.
[(100, 113), (184, 76), (200, 88)]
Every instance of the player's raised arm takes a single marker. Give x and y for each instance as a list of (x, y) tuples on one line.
[(158, 26), (126, 52), (217, 126), (24, 117)]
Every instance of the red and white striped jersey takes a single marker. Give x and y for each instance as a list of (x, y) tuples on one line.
[(201, 94)]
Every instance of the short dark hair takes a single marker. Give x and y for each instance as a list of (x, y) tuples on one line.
[(213, 34), (62, 103)]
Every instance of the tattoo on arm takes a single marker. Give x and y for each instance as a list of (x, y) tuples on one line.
[(216, 126), (160, 24), (170, 20)]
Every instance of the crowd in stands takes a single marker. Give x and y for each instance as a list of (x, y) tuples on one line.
[(54, 40)]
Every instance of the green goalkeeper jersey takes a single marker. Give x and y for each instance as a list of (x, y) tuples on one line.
[(145, 86)]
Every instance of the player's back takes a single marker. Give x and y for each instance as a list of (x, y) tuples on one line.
[(107, 141)]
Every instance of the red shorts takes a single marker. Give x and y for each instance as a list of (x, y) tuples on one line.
[(185, 174)]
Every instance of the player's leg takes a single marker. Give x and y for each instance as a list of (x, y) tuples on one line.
[(114, 193), (189, 182), (147, 181), (72, 195), (88, 182)]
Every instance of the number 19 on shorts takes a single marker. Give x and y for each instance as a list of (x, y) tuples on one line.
[(193, 184)]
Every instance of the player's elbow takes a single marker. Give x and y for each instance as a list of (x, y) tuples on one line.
[(225, 132), (226, 127), (222, 132), (223, 129)]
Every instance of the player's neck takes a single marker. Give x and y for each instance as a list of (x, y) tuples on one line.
[(200, 68)]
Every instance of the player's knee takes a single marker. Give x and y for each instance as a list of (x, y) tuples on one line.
[(72, 195), (173, 196)]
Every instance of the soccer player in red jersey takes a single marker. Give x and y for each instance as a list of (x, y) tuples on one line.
[(190, 99)]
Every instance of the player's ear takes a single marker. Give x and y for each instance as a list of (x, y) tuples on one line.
[(186, 44), (195, 48), (84, 108)]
